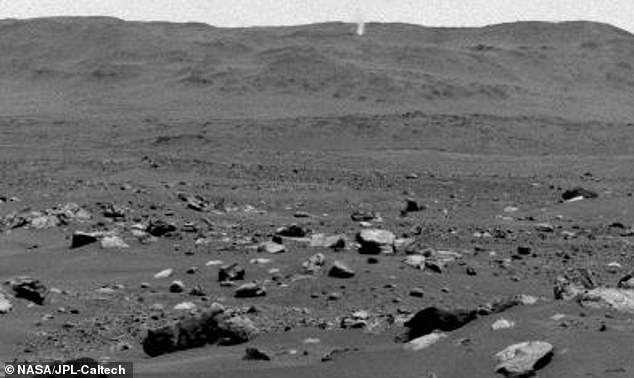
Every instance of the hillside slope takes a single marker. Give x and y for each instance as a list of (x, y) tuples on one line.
[(100, 65)]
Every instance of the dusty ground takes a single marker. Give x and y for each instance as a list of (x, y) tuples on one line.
[(488, 165)]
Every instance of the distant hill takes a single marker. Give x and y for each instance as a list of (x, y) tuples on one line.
[(102, 65)]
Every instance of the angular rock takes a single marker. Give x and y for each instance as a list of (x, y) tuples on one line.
[(29, 288), (236, 330), (160, 228), (250, 290), (256, 354), (191, 332), (292, 231), (335, 242), (425, 341), (618, 299), (433, 319), (80, 239), (231, 272), (627, 282), (523, 359), (194, 202), (578, 192), (177, 287), (375, 241), (412, 206), (110, 210), (113, 241), (340, 270)]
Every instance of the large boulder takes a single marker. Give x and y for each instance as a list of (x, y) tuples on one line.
[(523, 359), (375, 241)]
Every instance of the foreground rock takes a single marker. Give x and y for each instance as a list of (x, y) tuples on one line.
[(207, 327), (375, 241), (523, 359), (28, 288)]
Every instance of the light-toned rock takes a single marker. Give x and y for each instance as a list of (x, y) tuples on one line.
[(164, 273), (185, 306), (113, 241), (271, 247), (425, 341), (523, 359), (376, 241), (5, 303), (502, 324)]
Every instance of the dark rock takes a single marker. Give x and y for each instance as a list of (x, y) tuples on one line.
[(250, 290), (412, 206), (231, 272), (81, 239), (292, 231), (340, 270), (177, 287), (524, 250), (578, 192), (375, 241), (256, 354), (29, 288), (191, 332), (471, 271), (194, 202), (433, 318), (417, 292), (159, 228)]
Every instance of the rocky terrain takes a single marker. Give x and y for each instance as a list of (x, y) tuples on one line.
[(302, 201)]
